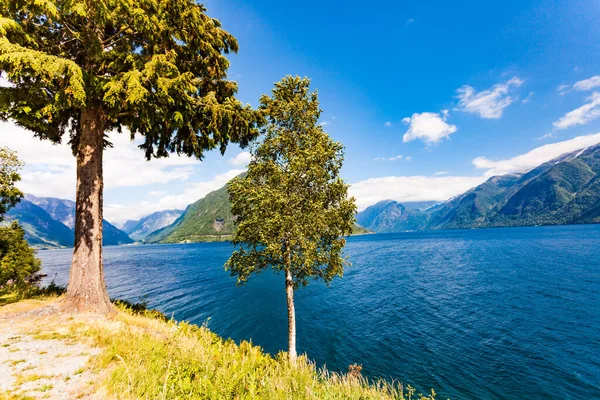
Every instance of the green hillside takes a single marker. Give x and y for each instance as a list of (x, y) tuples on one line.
[(208, 219), (565, 190), (562, 191)]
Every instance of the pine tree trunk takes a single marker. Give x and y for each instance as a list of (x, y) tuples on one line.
[(289, 291), (87, 289)]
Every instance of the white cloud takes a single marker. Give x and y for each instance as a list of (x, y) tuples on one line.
[(50, 168), (562, 89), (324, 123), (387, 124), (528, 98), (409, 21), (428, 126), (587, 84), (408, 158), (488, 103), (3, 81), (548, 135), (582, 115), (411, 188), (241, 160), (535, 157), (440, 173), (395, 158), (50, 171)]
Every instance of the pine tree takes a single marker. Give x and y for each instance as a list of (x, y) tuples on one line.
[(292, 208), (79, 68)]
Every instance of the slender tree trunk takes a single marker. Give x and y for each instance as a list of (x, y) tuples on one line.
[(289, 291), (87, 290)]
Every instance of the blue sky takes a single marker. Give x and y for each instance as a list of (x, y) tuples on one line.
[(459, 90)]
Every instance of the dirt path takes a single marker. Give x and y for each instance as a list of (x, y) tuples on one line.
[(37, 360)]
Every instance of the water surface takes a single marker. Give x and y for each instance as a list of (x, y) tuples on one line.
[(497, 313)]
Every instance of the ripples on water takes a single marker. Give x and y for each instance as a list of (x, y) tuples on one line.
[(495, 314)]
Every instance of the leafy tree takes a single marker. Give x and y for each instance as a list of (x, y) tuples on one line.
[(292, 208), (9, 176), (17, 259), (79, 68)]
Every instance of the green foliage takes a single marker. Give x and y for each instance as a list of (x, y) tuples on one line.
[(157, 68), (9, 176), (14, 294), (292, 208), (17, 259), (139, 308)]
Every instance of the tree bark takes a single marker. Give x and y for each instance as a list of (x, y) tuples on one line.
[(87, 290), (289, 291)]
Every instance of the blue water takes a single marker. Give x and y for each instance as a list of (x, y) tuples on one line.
[(508, 313)]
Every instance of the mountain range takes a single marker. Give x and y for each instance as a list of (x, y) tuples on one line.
[(565, 190), (49, 223), (140, 229), (208, 219)]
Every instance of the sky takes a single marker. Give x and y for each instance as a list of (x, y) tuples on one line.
[(429, 98)]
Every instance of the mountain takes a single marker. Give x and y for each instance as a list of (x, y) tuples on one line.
[(128, 225), (41, 230), (359, 230), (61, 212), (208, 219), (111, 235), (138, 230), (391, 216), (59, 209), (419, 205), (565, 190)]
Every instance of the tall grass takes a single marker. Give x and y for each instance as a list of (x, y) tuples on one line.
[(153, 358)]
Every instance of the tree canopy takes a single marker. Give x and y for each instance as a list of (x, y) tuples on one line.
[(157, 68), (292, 208), (10, 165)]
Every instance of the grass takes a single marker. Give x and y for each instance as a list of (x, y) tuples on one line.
[(21, 379), (146, 356), (151, 357), (30, 292)]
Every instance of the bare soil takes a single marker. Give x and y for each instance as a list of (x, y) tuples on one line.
[(40, 359)]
